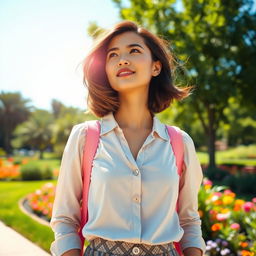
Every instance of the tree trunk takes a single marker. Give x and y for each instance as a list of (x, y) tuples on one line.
[(41, 154), (7, 144), (211, 136)]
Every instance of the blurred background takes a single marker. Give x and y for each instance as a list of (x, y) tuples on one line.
[(42, 95)]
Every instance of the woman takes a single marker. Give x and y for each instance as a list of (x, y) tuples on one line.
[(134, 182)]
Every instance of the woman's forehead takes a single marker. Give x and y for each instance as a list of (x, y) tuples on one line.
[(125, 39)]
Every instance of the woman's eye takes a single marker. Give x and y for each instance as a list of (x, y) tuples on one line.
[(112, 54), (134, 50)]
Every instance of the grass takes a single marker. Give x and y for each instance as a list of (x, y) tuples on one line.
[(11, 215), (245, 155)]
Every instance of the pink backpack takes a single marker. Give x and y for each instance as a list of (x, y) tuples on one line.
[(92, 139)]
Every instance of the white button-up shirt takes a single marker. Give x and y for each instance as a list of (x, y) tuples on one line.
[(132, 200)]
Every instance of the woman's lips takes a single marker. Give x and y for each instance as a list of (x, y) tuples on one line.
[(122, 74)]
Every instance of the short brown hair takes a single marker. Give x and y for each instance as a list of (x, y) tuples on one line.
[(102, 99)]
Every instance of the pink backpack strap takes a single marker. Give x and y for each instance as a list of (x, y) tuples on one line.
[(176, 141), (177, 146), (90, 148)]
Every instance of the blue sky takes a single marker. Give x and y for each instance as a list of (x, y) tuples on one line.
[(43, 42)]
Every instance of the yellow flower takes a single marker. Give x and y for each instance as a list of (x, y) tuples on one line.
[(227, 200)]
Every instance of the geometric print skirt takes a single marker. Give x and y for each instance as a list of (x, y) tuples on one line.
[(102, 247)]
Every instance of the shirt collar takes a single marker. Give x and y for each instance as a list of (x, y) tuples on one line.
[(108, 123)]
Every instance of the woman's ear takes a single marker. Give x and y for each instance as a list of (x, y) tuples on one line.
[(156, 68)]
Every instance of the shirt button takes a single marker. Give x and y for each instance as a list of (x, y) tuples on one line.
[(136, 199), (136, 250), (136, 172)]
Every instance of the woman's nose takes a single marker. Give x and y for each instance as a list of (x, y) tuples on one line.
[(123, 61)]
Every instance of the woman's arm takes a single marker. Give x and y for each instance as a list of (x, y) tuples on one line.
[(192, 242), (192, 251), (73, 252), (66, 213)]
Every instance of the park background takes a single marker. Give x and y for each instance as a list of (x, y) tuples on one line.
[(42, 96)]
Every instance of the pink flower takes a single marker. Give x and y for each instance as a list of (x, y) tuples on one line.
[(227, 191), (207, 182), (218, 194), (235, 226), (254, 200), (248, 206), (222, 216)]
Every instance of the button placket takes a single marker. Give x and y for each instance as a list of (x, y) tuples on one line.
[(135, 203)]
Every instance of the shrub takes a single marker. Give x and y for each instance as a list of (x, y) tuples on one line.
[(216, 174), (34, 171)]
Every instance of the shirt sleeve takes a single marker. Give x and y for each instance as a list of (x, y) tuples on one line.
[(190, 182), (66, 213)]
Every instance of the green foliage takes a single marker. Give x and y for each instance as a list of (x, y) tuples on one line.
[(240, 120), (216, 40), (94, 30), (240, 182), (34, 171), (68, 117), (36, 132), (216, 174), (14, 110), (2, 152)]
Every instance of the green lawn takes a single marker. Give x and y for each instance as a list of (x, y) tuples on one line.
[(224, 157), (11, 215)]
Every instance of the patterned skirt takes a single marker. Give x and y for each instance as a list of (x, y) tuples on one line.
[(102, 247)]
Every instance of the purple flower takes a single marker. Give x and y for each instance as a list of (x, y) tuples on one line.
[(208, 248), (224, 243), (225, 251)]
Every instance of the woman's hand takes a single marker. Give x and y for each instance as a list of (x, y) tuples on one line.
[(73, 252), (192, 251)]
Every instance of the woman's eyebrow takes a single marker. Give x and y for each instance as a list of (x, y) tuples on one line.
[(128, 46)]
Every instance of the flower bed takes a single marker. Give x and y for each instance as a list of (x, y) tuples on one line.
[(41, 201), (228, 223), (9, 170)]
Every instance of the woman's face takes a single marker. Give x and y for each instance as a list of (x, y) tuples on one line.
[(129, 64)]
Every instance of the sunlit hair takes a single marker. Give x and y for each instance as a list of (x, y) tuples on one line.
[(102, 99)]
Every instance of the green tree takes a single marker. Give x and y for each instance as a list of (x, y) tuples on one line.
[(209, 36), (67, 118), (57, 108), (14, 110), (239, 122), (35, 132)]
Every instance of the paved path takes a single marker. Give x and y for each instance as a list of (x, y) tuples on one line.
[(14, 244)]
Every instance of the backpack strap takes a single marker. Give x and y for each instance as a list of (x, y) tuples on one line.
[(90, 148), (176, 141)]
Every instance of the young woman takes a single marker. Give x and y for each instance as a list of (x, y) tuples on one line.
[(134, 181)]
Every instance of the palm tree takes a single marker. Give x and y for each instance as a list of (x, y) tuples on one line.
[(37, 131), (13, 111)]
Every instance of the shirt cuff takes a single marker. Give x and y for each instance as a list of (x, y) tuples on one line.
[(192, 238), (65, 243)]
